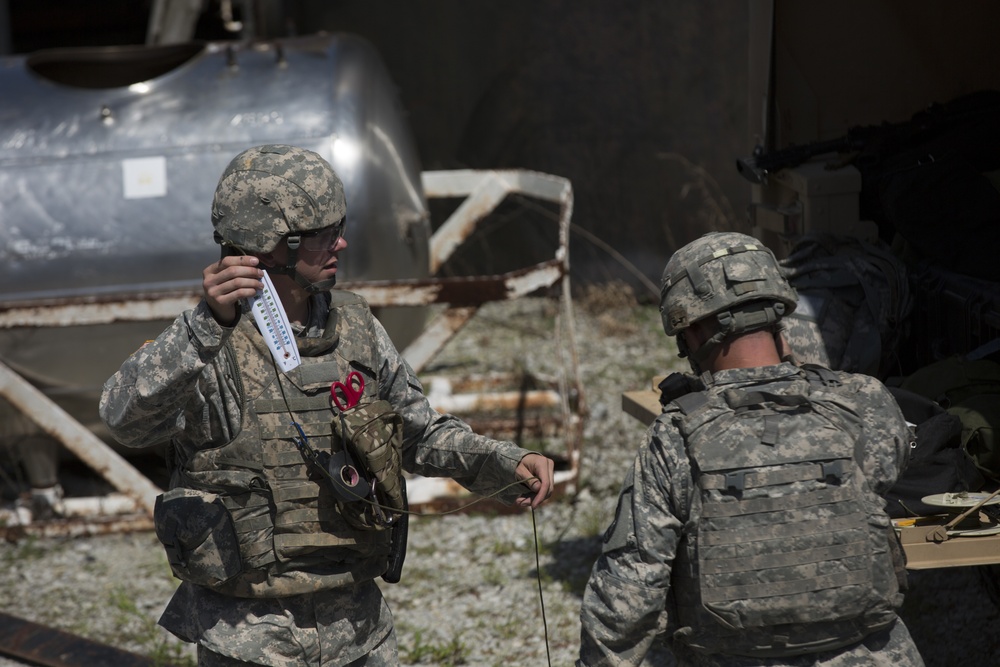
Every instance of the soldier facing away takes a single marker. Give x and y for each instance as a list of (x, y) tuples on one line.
[(750, 529), (281, 511)]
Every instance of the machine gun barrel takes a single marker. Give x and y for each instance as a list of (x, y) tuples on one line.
[(878, 141), (756, 167)]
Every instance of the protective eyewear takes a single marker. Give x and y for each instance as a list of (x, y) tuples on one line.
[(322, 239)]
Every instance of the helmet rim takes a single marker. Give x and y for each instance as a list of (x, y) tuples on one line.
[(716, 273)]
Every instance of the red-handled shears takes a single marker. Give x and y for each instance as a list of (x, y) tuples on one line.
[(347, 394)]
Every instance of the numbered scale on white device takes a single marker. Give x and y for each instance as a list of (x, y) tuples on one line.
[(273, 325)]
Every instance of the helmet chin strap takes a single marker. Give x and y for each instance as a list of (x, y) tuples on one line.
[(698, 357), (315, 288)]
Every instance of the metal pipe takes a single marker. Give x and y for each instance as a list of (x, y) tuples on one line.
[(81, 441)]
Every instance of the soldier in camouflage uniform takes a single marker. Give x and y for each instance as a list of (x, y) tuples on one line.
[(278, 566), (723, 297)]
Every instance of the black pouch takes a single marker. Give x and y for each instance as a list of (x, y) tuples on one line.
[(198, 534), (938, 463)]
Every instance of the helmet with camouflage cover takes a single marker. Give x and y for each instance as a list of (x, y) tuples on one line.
[(728, 276), (274, 192)]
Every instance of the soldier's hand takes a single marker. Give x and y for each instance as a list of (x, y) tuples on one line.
[(542, 469), (227, 281)]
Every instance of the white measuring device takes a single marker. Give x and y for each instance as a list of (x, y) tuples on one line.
[(273, 325)]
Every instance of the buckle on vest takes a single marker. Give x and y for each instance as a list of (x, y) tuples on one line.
[(833, 471), (735, 480)]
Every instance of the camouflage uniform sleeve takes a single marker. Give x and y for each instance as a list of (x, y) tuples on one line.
[(166, 386), (625, 602), (441, 445), (889, 436)]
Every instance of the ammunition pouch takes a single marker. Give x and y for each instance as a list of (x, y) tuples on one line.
[(198, 535), (372, 434)]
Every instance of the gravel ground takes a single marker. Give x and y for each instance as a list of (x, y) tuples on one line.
[(470, 589)]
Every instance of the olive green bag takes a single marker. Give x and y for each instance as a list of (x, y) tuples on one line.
[(372, 433)]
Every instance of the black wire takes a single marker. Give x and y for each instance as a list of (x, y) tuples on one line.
[(541, 598)]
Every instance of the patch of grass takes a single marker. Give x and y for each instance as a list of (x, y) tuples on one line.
[(27, 549), (503, 547), (493, 575), (138, 628), (511, 628), (94, 568), (448, 653)]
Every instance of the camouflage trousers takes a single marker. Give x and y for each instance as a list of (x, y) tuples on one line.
[(329, 628), (385, 654)]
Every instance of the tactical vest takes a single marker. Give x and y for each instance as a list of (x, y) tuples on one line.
[(290, 532), (791, 549)]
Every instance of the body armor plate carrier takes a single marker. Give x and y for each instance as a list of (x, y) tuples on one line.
[(271, 525), (791, 554)]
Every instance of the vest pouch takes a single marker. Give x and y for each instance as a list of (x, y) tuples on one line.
[(372, 433), (198, 536)]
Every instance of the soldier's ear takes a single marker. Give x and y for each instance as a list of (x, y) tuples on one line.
[(695, 335), (267, 260)]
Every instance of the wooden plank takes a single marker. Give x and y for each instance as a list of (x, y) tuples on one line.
[(643, 405)]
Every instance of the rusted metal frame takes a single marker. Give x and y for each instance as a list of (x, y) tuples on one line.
[(505, 400), (457, 291), (56, 422), (509, 428), (81, 311), (78, 517), (436, 335), (91, 526), (485, 190), (486, 194), (465, 296)]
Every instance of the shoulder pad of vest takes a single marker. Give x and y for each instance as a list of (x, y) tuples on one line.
[(340, 298), (689, 403)]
